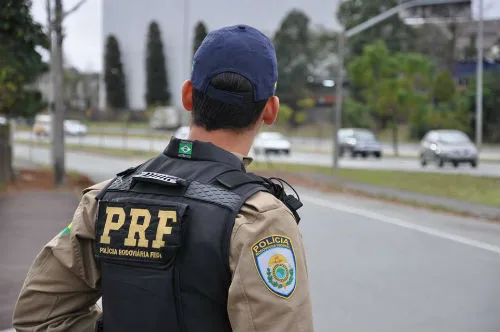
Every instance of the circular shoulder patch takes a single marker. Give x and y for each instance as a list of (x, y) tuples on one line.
[(275, 262)]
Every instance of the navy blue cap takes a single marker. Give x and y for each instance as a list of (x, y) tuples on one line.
[(240, 49)]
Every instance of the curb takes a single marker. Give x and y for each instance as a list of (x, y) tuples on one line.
[(442, 204)]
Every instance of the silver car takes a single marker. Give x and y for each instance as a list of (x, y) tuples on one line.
[(358, 141), (447, 146)]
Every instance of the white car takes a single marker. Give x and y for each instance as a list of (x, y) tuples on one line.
[(75, 128), (182, 132), (167, 117), (271, 142)]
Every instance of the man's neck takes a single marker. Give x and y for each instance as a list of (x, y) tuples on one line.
[(224, 139)]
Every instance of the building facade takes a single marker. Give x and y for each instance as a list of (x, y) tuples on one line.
[(81, 90), (129, 21)]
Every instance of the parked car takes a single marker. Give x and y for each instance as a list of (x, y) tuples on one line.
[(42, 125), (182, 132), (271, 142), (447, 146), (75, 128), (358, 141), (165, 118)]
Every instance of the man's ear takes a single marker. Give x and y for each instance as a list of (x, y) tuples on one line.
[(187, 95), (271, 110)]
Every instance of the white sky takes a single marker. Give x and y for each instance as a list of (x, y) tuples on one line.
[(82, 47)]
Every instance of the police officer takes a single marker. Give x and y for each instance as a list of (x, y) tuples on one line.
[(188, 240)]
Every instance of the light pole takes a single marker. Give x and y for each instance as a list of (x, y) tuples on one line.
[(479, 79), (338, 99), (344, 35)]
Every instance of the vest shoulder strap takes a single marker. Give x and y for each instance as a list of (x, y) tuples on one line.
[(248, 184), (122, 179)]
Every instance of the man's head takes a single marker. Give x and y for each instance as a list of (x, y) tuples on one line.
[(233, 81)]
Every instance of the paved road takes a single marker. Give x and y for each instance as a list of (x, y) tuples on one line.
[(306, 158), (300, 144), (489, 152), (376, 266)]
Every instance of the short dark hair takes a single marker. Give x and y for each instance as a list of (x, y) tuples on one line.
[(212, 114)]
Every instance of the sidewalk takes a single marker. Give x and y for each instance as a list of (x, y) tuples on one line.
[(28, 220)]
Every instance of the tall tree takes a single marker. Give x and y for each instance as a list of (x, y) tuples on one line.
[(444, 88), (392, 86), (292, 44), (200, 32), (114, 78), (20, 64), (157, 92), (491, 105), (394, 32)]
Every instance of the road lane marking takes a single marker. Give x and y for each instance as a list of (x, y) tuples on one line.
[(402, 223)]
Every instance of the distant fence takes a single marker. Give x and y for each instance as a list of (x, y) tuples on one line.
[(5, 155)]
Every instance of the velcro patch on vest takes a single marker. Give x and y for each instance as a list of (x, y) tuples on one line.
[(138, 232), (159, 178), (275, 262)]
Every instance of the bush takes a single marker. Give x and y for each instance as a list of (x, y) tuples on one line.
[(284, 114)]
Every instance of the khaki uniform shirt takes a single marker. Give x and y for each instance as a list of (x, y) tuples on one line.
[(62, 286)]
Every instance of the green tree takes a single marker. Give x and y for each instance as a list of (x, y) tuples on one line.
[(284, 114), (391, 86), (394, 32), (292, 44), (29, 104), (491, 107), (444, 88), (20, 63), (357, 114), (200, 32), (114, 77), (157, 91)]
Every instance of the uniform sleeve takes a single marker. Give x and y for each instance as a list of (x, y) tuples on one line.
[(269, 289), (62, 285)]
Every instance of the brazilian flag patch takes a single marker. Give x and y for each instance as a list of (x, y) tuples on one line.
[(185, 149)]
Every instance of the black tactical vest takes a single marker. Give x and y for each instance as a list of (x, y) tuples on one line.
[(162, 239)]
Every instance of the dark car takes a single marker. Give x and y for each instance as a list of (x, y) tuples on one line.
[(358, 142), (447, 146)]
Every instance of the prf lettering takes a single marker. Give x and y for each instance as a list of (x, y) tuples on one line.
[(115, 219)]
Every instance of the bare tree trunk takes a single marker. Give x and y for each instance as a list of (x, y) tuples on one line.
[(10, 152), (58, 118), (6, 169), (395, 138), (3, 155)]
